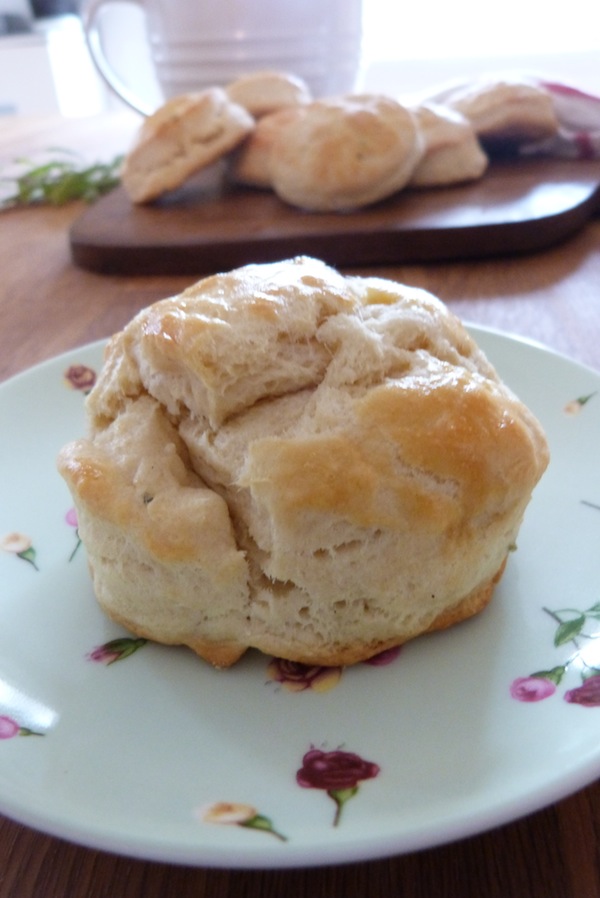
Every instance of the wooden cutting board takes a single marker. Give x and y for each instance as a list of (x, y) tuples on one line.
[(519, 206)]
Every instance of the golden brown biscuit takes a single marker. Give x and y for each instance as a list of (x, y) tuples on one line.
[(250, 163), (345, 152), (317, 466), (505, 111), (264, 92), (185, 135), (452, 152)]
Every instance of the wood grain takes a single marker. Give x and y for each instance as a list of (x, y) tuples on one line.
[(541, 856), (518, 206), (48, 305)]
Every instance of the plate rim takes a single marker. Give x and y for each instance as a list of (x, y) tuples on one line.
[(345, 850)]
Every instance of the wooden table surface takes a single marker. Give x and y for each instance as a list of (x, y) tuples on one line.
[(47, 306)]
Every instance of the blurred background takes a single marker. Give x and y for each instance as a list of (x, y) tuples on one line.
[(45, 66)]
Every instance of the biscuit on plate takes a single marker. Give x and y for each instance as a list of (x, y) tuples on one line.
[(264, 92), (316, 466), (341, 153), (452, 153), (182, 137)]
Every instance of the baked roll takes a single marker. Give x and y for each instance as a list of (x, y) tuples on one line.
[(250, 163), (344, 153), (452, 153), (267, 91), (188, 133), (316, 466), (505, 112)]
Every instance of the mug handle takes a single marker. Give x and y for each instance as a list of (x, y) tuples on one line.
[(89, 10)]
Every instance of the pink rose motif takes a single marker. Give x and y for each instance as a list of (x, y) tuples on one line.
[(296, 677), (587, 694), (115, 650), (334, 770), (80, 377), (386, 657), (103, 655), (532, 689), (9, 728), (72, 520), (338, 773)]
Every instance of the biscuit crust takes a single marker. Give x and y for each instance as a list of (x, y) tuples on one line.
[(452, 152), (185, 135), (506, 112), (267, 91), (345, 152), (312, 465)]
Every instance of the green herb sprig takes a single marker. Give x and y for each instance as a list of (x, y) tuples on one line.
[(59, 180)]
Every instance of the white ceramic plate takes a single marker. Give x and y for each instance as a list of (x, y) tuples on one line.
[(158, 756)]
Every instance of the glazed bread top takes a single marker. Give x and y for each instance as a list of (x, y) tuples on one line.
[(394, 406), (314, 465)]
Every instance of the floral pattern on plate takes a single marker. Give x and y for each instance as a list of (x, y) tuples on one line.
[(571, 624), (238, 814), (347, 780), (296, 677), (80, 377), (9, 728), (115, 650), (338, 773), (293, 676), (21, 545), (71, 520), (574, 406)]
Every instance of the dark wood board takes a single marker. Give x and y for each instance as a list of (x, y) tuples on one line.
[(519, 206)]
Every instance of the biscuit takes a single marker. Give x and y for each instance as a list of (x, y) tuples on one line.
[(452, 152), (343, 153), (316, 466), (505, 112), (187, 134), (264, 92), (250, 163)]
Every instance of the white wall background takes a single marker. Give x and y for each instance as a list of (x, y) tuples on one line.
[(451, 28), (409, 46), (433, 40)]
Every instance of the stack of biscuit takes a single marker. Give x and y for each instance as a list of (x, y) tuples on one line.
[(332, 154)]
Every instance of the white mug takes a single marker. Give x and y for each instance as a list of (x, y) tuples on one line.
[(202, 43)]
